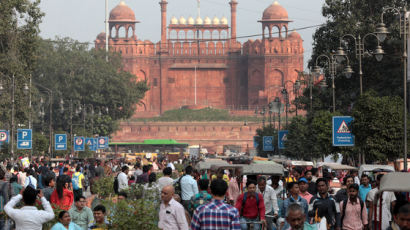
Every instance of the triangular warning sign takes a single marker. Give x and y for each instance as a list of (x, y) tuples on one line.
[(343, 128), (285, 137)]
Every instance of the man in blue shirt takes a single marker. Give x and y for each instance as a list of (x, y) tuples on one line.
[(365, 187), (294, 197), (189, 188)]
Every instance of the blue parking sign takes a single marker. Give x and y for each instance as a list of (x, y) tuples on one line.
[(60, 142), (282, 138), (268, 143), (24, 138), (79, 143), (342, 133)]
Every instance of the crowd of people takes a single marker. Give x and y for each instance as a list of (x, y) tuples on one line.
[(225, 199)]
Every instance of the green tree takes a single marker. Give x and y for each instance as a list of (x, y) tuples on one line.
[(359, 17), (95, 93), (298, 145), (19, 29), (378, 126)]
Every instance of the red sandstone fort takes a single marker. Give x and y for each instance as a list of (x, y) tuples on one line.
[(199, 62)]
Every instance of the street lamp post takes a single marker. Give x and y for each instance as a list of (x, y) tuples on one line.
[(332, 69), (13, 89), (50, 96), (360, 51), (71, 105), (382, 32)]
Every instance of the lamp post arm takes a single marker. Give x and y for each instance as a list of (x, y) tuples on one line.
[(357, 44)]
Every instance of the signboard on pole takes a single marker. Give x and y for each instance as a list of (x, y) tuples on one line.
[(60, 142), (268, 143), (91, 143), (4, 136), (342, 133), (255, 143), (79, 143), (24, 139), (282, 138), (103, 142)]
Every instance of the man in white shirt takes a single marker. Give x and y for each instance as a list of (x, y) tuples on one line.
[(389, 200), (29, 217), (166, 179), (123, 178), (30, 180), (171, 213), (270, 200)]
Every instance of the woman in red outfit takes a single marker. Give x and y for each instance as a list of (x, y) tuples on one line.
[(63, 196)]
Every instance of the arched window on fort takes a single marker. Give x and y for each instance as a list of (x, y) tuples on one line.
[(121, 32), (207, 35), (181, 35), (190, 35), (215, 34), (130, 32), (112, 32), (266, 31), (173, 34), (284, 32), (275, 32), (224, 34)]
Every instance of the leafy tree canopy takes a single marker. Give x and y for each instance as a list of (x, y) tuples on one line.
[(94, 92)]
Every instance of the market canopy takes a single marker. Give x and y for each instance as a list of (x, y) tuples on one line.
[(335, 166)]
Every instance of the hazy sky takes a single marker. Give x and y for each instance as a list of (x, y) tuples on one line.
[(84, 19)]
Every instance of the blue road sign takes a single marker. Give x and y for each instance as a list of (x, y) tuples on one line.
[(91, 143), (255, 143), (24, 139), (106, 142), (268, 143), (102, 142), (60, 142), (282, 138), (79, 143), (342, 133), (4, 136)]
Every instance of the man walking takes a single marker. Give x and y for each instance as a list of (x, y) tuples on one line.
[(294, 197), (216, 214), (251, 207), (171, 213), (365, 187), (166, 179), (123, 178), (80, 214), (342, 194), (388, 202), (270, 200), (78, 181), (296, 218), (353, 210), (324, 205), (202, 197), (189, 187), (303, 188)]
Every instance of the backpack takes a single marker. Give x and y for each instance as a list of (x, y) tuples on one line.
[(76, 181), (245, 195), (116, 185), (178, 189), (344, 209), (2, 203)]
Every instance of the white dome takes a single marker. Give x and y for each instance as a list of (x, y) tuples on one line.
[(199, 21), (191, 21), (182, 20), (207, 21), (174, 21), (224, 21), (215, 21)]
